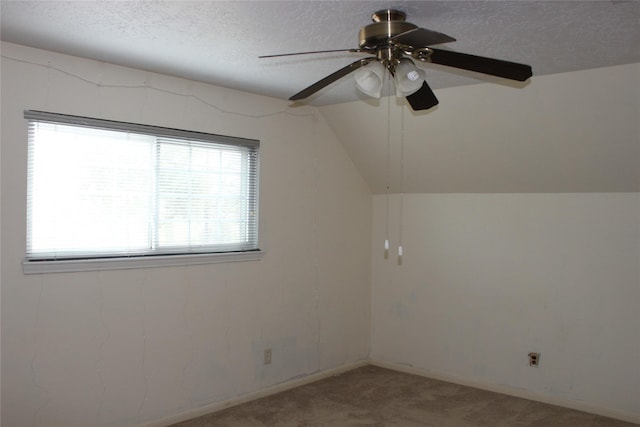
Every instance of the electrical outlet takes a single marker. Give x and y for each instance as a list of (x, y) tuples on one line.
[(534, 359), (267, 356)]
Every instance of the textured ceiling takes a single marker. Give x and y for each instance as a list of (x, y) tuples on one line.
[(219, 41)]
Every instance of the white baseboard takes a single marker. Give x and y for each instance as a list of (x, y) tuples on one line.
[(234, 401), (512, 391)]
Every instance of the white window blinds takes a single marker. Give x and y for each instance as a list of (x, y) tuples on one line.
[(104, 189)]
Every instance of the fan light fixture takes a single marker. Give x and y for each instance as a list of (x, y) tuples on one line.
[(407, 77), (369, 79)]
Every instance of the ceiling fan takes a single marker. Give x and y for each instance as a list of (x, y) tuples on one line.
[(394, 42)]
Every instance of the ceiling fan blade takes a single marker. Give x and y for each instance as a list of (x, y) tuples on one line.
[(480, 64), (304, 93), (423, 99), (421, 37), (309, 53)]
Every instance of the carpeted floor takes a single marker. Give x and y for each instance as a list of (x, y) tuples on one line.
[(377, 397)]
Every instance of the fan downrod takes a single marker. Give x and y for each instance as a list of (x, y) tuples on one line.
[(388, 15)]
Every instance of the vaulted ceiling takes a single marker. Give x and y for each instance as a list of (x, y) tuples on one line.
[(562, 133)]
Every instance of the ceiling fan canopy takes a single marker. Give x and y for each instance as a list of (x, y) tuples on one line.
[(390, 23), (394, 44)]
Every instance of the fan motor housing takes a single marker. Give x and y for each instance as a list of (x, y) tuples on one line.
[(386, 24)]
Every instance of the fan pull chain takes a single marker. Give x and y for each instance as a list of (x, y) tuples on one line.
[(388, 172), (400, 250)]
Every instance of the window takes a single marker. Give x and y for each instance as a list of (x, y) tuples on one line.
[(105, 194)]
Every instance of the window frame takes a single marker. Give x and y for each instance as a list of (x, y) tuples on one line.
[(91, 262)]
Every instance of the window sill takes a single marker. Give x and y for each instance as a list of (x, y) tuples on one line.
[(66, 266)]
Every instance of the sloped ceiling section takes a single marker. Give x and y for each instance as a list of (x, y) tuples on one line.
[(570, 132)]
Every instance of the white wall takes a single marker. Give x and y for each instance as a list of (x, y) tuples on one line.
[(550, 264), (487, 278), (122, 348)]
